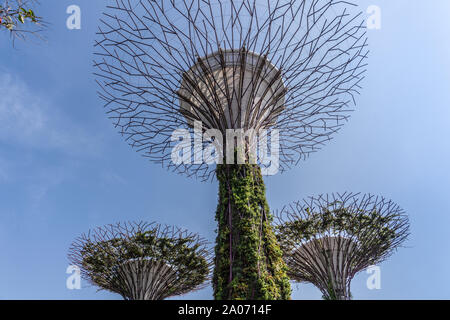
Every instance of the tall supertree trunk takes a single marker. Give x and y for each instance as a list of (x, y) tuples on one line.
[(249, 264)]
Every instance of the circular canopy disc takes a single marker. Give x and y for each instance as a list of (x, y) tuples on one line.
[(232, 89)]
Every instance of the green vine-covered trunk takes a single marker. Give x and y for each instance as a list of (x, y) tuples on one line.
[(248, 263)]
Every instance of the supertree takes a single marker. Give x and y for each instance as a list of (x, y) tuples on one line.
[(142, 261), (328, 239), (228, 75)]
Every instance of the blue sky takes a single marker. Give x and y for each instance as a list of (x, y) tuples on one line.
[(64, 169)]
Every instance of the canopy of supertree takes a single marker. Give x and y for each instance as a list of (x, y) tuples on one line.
[(293, 66), (327, 240), (142, 261)]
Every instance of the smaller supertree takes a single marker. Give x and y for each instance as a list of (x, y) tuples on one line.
[(142, 261), (327, 240)]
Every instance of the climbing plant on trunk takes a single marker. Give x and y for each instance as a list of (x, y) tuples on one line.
[(248, 262)]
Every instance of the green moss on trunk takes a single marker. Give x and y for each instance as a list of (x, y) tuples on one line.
[(248, 263)]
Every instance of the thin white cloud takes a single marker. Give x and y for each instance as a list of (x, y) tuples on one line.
[(46, 180), (20, 115), (29, 119), (109, 177)]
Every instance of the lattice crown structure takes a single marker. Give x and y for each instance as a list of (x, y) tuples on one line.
[(142, 261), (328, 239), (247, 89), (289, 65)]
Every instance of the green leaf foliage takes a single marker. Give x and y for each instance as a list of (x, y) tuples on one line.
[(181, 254), (248, 263), (15, 17)]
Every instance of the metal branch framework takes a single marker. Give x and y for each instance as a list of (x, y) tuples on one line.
[(142, 261), (290, 65), (328, 239)]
